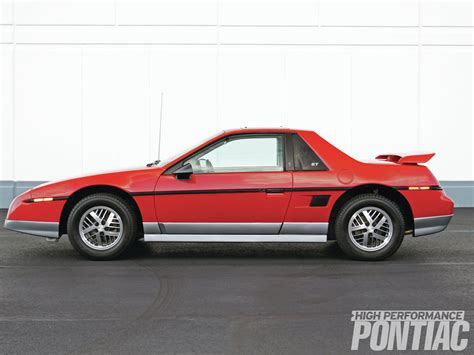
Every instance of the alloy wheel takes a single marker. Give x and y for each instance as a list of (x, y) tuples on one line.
[(370, 228), (101, 228)]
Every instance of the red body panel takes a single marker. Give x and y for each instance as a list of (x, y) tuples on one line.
[(40, 212), (300, 209), (429, 203), (149, 189), (129, 181), (254, 206)]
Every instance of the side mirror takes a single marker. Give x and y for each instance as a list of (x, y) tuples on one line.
[(184, 172)]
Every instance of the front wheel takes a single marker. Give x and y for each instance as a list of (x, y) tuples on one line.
[(101, 226), (370, 227)]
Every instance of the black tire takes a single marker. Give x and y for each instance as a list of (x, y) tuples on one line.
[(355, 204), (119, 206)]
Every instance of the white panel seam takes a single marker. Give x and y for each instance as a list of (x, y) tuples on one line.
[(82, 109), (12, 143), (218, 65), (351, 116), (149, 104), (418, 70)]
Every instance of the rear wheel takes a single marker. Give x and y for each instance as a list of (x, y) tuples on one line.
[(102, 226), (370, 227)]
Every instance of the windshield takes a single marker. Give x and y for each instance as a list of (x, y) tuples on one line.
[(184, 151)]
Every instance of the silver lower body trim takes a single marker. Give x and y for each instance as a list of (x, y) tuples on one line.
[(235, 232), (219, 228), (431, 225), (40, 229), (151, 228), (304, 228), (235, 238)]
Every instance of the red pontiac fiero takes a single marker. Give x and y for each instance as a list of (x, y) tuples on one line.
[(245, 185)]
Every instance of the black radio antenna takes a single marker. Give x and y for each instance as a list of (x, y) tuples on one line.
[(157, 161)]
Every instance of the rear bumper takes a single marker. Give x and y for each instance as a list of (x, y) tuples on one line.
[(431, 225), (40, 229)]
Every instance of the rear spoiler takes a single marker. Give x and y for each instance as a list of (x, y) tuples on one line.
[(413, 158)]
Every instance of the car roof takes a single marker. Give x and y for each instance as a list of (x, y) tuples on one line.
[(260, 130)]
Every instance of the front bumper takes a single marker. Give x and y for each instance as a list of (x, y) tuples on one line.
[(40, 229), (431, 225)]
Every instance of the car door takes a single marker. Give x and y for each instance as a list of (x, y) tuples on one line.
[(315, 189), (238, 185)]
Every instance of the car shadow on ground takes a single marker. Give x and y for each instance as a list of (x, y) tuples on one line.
[(236, 250)]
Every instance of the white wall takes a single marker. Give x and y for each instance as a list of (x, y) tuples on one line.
[(81, 81)]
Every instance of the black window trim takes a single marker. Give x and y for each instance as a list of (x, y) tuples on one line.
[(283, 135)]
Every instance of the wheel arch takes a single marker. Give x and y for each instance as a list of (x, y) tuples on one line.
[(378, 189), (90, 190)]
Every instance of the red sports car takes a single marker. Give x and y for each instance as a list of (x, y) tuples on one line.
[(245, 185)]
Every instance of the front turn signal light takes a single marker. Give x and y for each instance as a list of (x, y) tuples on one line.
[(44, 199)]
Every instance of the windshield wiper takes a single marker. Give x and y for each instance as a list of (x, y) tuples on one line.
[(156, 162)]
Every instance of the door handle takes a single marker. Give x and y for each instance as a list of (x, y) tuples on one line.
[(274, 191)]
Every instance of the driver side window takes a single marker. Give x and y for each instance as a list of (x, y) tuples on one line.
[(255, 153)]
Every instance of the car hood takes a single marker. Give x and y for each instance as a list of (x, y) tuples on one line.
[(131, 180)]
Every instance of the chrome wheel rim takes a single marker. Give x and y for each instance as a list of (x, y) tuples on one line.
[(370, 229), (101, 228)]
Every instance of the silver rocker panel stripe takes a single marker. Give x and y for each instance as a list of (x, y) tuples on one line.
[(235, 238), (40, 229), (431, 225), (304, 228), (219, 228), (151, 228)]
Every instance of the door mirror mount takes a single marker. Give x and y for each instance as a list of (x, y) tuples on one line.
[(184, 172)]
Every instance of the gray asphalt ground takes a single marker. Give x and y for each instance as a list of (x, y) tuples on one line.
[(221, 298)]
